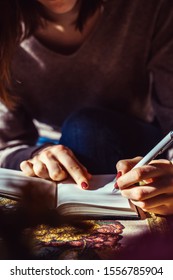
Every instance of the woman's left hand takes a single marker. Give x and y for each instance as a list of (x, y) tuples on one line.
[(155, 192)]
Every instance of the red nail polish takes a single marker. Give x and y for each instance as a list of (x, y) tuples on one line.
[(118, 176), (116, 186), (84, 185)]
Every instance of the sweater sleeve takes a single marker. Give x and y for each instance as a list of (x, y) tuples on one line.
[(161, 66), (18, 137)]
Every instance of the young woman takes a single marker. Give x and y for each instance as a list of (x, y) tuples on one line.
[(100, 72)]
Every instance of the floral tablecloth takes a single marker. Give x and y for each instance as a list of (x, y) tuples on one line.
[(31, 237)]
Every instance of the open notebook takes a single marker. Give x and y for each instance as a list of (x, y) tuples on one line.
[(68, 198)]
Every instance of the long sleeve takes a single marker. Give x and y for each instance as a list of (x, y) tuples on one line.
[(18, 137), (111, 70)]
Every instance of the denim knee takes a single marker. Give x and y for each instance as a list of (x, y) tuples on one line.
[(88, 135), (99, 137)]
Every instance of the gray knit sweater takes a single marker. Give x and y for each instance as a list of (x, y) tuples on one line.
[(126, 64)]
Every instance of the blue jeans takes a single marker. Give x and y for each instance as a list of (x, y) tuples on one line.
[(99, 138)]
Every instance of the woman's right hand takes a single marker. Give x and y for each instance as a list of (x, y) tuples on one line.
[(56, 163), (155, 192)]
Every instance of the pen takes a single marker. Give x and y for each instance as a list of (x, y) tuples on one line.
[(157, 150)]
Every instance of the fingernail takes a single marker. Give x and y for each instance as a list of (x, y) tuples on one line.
[(118, 176), (84, 185), (116, 186)]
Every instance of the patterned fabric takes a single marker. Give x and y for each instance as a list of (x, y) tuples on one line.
[(80, 240), (24, 237)]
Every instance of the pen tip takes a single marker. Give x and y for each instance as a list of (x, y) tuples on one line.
[(114, 190)]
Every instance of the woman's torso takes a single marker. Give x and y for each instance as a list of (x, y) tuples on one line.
[(108, 70)]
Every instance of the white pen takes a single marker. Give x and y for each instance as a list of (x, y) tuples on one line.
[(157, 150)]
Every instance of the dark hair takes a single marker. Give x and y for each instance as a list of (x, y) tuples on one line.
[(18, 20)]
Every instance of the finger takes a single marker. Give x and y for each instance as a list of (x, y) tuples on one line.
[(40, 169), (161, 161), (54, 168), (27, 167), (138, 193), (141, 192), (154, 170), (160, 210), (75, 170), (127, 164), (85, 170), (155, 202)]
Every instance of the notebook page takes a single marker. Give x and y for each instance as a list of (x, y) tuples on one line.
[(98, 194)]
